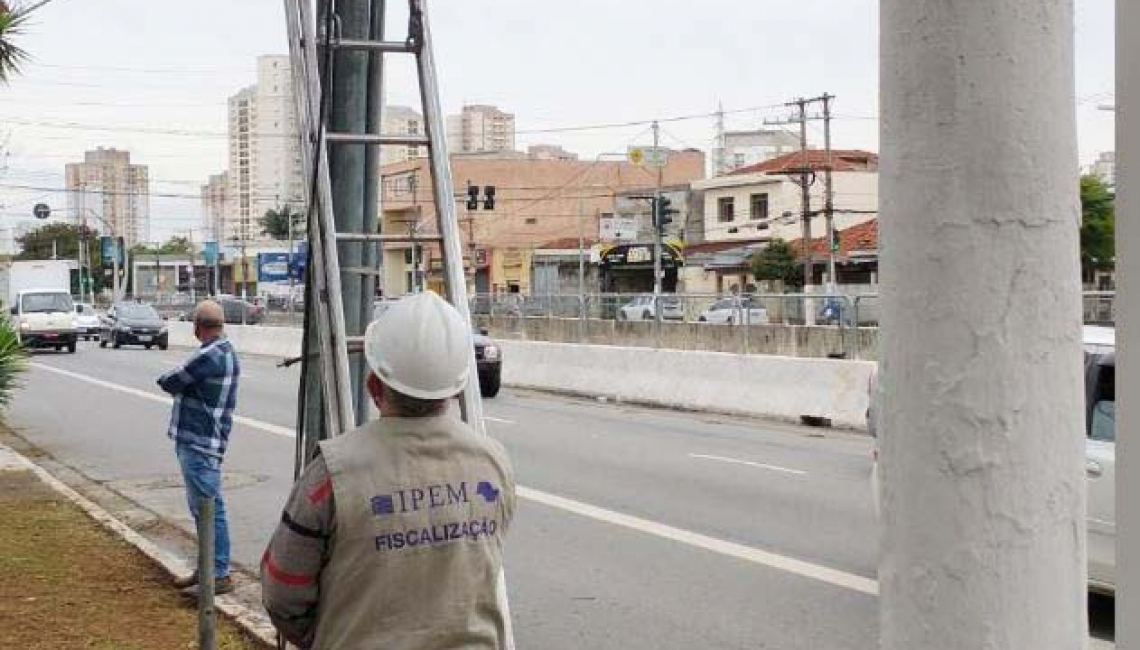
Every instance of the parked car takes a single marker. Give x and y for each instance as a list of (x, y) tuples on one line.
[(87, 321), (1100, 454), (235, 311), (733, 311), (488, 356), (133, 323), (642, 308)]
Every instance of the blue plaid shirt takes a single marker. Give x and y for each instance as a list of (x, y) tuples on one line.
[(205, 394)]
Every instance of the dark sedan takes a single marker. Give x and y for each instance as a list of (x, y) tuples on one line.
[(489, 358), (131, 323)]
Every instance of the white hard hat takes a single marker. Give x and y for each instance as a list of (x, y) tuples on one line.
[(421, 347)]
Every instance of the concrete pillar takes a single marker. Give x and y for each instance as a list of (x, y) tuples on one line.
[(1128, 321), (983, 543)]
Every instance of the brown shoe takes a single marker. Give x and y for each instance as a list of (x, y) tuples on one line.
[(188, 581)]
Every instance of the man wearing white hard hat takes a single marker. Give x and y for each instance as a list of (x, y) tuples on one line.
[(393, 536)]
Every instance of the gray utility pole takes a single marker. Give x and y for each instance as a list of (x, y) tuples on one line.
[(1128, 319), (982, 409), (657, 228), (829, 192)]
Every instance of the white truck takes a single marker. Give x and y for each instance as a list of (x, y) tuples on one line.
[(40, 305)]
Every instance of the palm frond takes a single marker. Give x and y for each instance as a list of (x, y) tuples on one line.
[(13, 362), (13, 21)]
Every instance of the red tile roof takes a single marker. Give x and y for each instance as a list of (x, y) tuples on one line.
[(842, 160), (861, 237)]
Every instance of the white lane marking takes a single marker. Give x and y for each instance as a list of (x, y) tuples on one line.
[(781, 562), (274, 429), (737, 461), (499, 420), (697, 540)]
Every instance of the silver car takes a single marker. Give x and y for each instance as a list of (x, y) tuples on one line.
[(1100, 453), (87, 321)]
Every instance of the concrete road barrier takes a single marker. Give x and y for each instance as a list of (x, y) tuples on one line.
[(767, 386), (787, 388)]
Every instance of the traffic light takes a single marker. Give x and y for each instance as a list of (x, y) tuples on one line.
[(664, 212), (489, 197), (834, 241), (472, 197)]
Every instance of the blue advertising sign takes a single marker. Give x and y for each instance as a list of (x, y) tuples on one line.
[(210, 253), (107, 250), (273, 267)]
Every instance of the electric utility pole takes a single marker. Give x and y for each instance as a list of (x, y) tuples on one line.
[(829, 193), (657, 230)]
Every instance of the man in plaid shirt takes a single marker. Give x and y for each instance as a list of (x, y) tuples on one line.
[(205, 394)]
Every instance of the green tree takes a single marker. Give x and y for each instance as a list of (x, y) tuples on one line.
[(778, 262), (13, 24), (1098, 225), (62, 239), (275, 222), (172, 246)]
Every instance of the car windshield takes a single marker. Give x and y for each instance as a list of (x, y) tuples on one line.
[(131, 310), (45, 302)]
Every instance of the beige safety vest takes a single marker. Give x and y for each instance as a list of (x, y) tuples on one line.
[(422, 505)]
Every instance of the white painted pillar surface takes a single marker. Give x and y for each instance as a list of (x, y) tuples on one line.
[(982, 447), (1128, 323)]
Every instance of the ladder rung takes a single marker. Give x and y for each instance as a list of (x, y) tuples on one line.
[(373, 46), (360, 270), (386, 239), (380, 139)]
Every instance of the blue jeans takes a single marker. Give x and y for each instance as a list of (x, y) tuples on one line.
[(202, 474)]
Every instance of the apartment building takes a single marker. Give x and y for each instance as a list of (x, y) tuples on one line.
[(264, 150), (480, 129), (215, 202), (106, 189), (402, 120)]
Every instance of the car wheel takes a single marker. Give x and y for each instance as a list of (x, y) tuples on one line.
[(102, 342), (115, 343), (163, 345), (490, 387), (646, 316), (71, 348), (622, 316), (149, 346)]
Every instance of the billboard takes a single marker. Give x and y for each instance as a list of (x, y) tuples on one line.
[(273, 267), (210, 253)]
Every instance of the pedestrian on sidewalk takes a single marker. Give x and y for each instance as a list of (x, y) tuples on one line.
[(205, 394), (393, 536)]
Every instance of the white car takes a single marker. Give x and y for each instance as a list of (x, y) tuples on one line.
[(87, 320), (733, 311), (1100, 454), (642, 308)]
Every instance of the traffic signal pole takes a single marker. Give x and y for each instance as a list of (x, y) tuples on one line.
[(982, 438), (657, 230)]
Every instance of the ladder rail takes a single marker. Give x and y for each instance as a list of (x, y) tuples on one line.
[(333, 357), (443, 188)]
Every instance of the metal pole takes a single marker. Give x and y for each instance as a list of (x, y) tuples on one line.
[(207, 620), (982, 409), (805, 196), (290, 266), (657, 229)]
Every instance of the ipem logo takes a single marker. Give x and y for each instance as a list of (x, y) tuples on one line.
[(430, 497)]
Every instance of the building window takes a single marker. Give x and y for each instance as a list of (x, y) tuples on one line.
[(758, 207), (725, 209), (531, 221)]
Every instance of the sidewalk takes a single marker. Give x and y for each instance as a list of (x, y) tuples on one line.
[(66, 582)]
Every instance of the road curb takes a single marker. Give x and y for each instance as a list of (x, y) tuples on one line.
[(254, 622)]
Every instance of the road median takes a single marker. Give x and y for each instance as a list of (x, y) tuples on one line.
[(68, 579)]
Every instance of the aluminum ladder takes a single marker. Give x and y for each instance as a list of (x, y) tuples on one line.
[(325, 312)]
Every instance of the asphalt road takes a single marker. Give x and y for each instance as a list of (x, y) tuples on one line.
[(637, 528)]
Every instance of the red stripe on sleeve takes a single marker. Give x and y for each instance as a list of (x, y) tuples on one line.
[(282, 576), (321, 492)]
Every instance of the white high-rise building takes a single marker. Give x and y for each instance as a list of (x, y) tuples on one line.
[(264, 151), (215, 203), (106, 189), (401, 120), (481, 129), (1105, 168)]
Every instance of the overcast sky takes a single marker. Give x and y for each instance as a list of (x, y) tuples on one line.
[(135, 66)]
